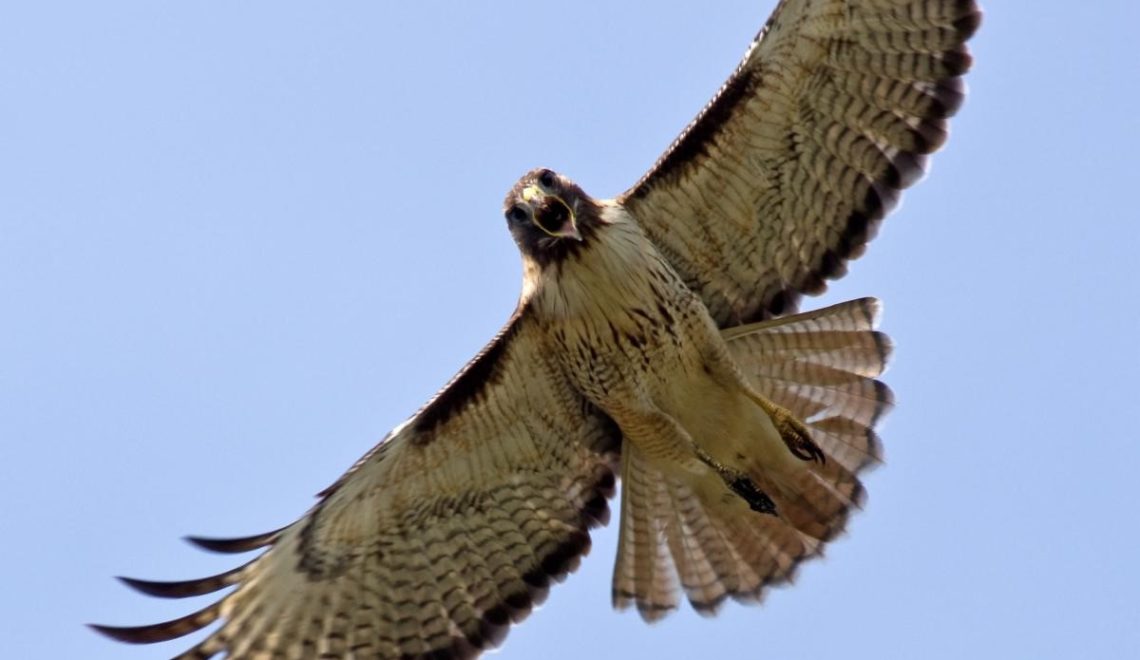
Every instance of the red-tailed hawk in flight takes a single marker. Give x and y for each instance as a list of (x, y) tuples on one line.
[(654, 342)]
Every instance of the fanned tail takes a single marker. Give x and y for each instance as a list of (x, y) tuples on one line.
[(821, 367)]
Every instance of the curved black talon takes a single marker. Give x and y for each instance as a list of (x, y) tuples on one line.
[(757, 499), (806, 450), (799, 442)]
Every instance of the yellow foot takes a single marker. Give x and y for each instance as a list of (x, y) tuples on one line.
[(792, 431), (798, 439)]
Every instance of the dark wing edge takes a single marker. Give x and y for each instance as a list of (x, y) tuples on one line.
[(855, 126), (325, 585)]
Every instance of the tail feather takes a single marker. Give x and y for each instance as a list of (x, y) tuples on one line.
[(857, 398), (715, 550), (643, 572), (769, 549), (841, 336), (863, 352), (701, 554), (841, 423), (855, 446), (820, 366)]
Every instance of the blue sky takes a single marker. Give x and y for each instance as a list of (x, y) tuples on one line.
[(240, 243)]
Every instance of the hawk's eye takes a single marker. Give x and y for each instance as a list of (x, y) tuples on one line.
[(516, 213), (546, 178)]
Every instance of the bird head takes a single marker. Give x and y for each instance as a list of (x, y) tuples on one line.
[(548, 215)]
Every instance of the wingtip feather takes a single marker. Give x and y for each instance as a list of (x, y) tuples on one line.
[(161, 632), (185, 588), (229, 546)]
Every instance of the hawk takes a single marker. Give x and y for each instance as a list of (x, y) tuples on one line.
[(655, 342)]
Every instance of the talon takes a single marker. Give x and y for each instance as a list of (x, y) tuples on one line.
[(757, 499), (799, 442), (806, 450), (793, 432)]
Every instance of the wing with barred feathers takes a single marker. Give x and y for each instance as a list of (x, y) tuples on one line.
[(438, 539), (787, 172)]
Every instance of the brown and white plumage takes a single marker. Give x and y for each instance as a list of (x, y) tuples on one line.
[(649, 342), (447, 531), (821, 366), (788, 170)]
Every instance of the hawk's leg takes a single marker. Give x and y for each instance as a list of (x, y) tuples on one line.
[(668, 445), (792, 431), (740, 484)]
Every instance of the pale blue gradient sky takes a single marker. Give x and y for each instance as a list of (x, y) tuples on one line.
[(240, 243)]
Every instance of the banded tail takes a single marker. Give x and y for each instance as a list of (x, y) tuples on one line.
[(821, 366)]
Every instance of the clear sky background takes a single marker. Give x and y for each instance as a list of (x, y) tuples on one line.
[(241, 241)]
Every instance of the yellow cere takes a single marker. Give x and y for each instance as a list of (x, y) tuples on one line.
[(530, 193)]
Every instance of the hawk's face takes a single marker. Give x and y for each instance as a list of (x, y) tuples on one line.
[(549, 216)]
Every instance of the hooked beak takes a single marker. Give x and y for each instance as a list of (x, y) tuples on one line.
[(552, 214)]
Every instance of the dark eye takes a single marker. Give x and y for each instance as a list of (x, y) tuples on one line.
[(516, 213), (546, 178)]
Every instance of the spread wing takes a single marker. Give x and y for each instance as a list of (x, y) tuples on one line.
[(435, 541), (785, 175)]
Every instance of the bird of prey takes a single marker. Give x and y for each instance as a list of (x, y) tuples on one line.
[(655, 342)]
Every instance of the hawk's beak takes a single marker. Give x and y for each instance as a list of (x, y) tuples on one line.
[(552, 214)]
